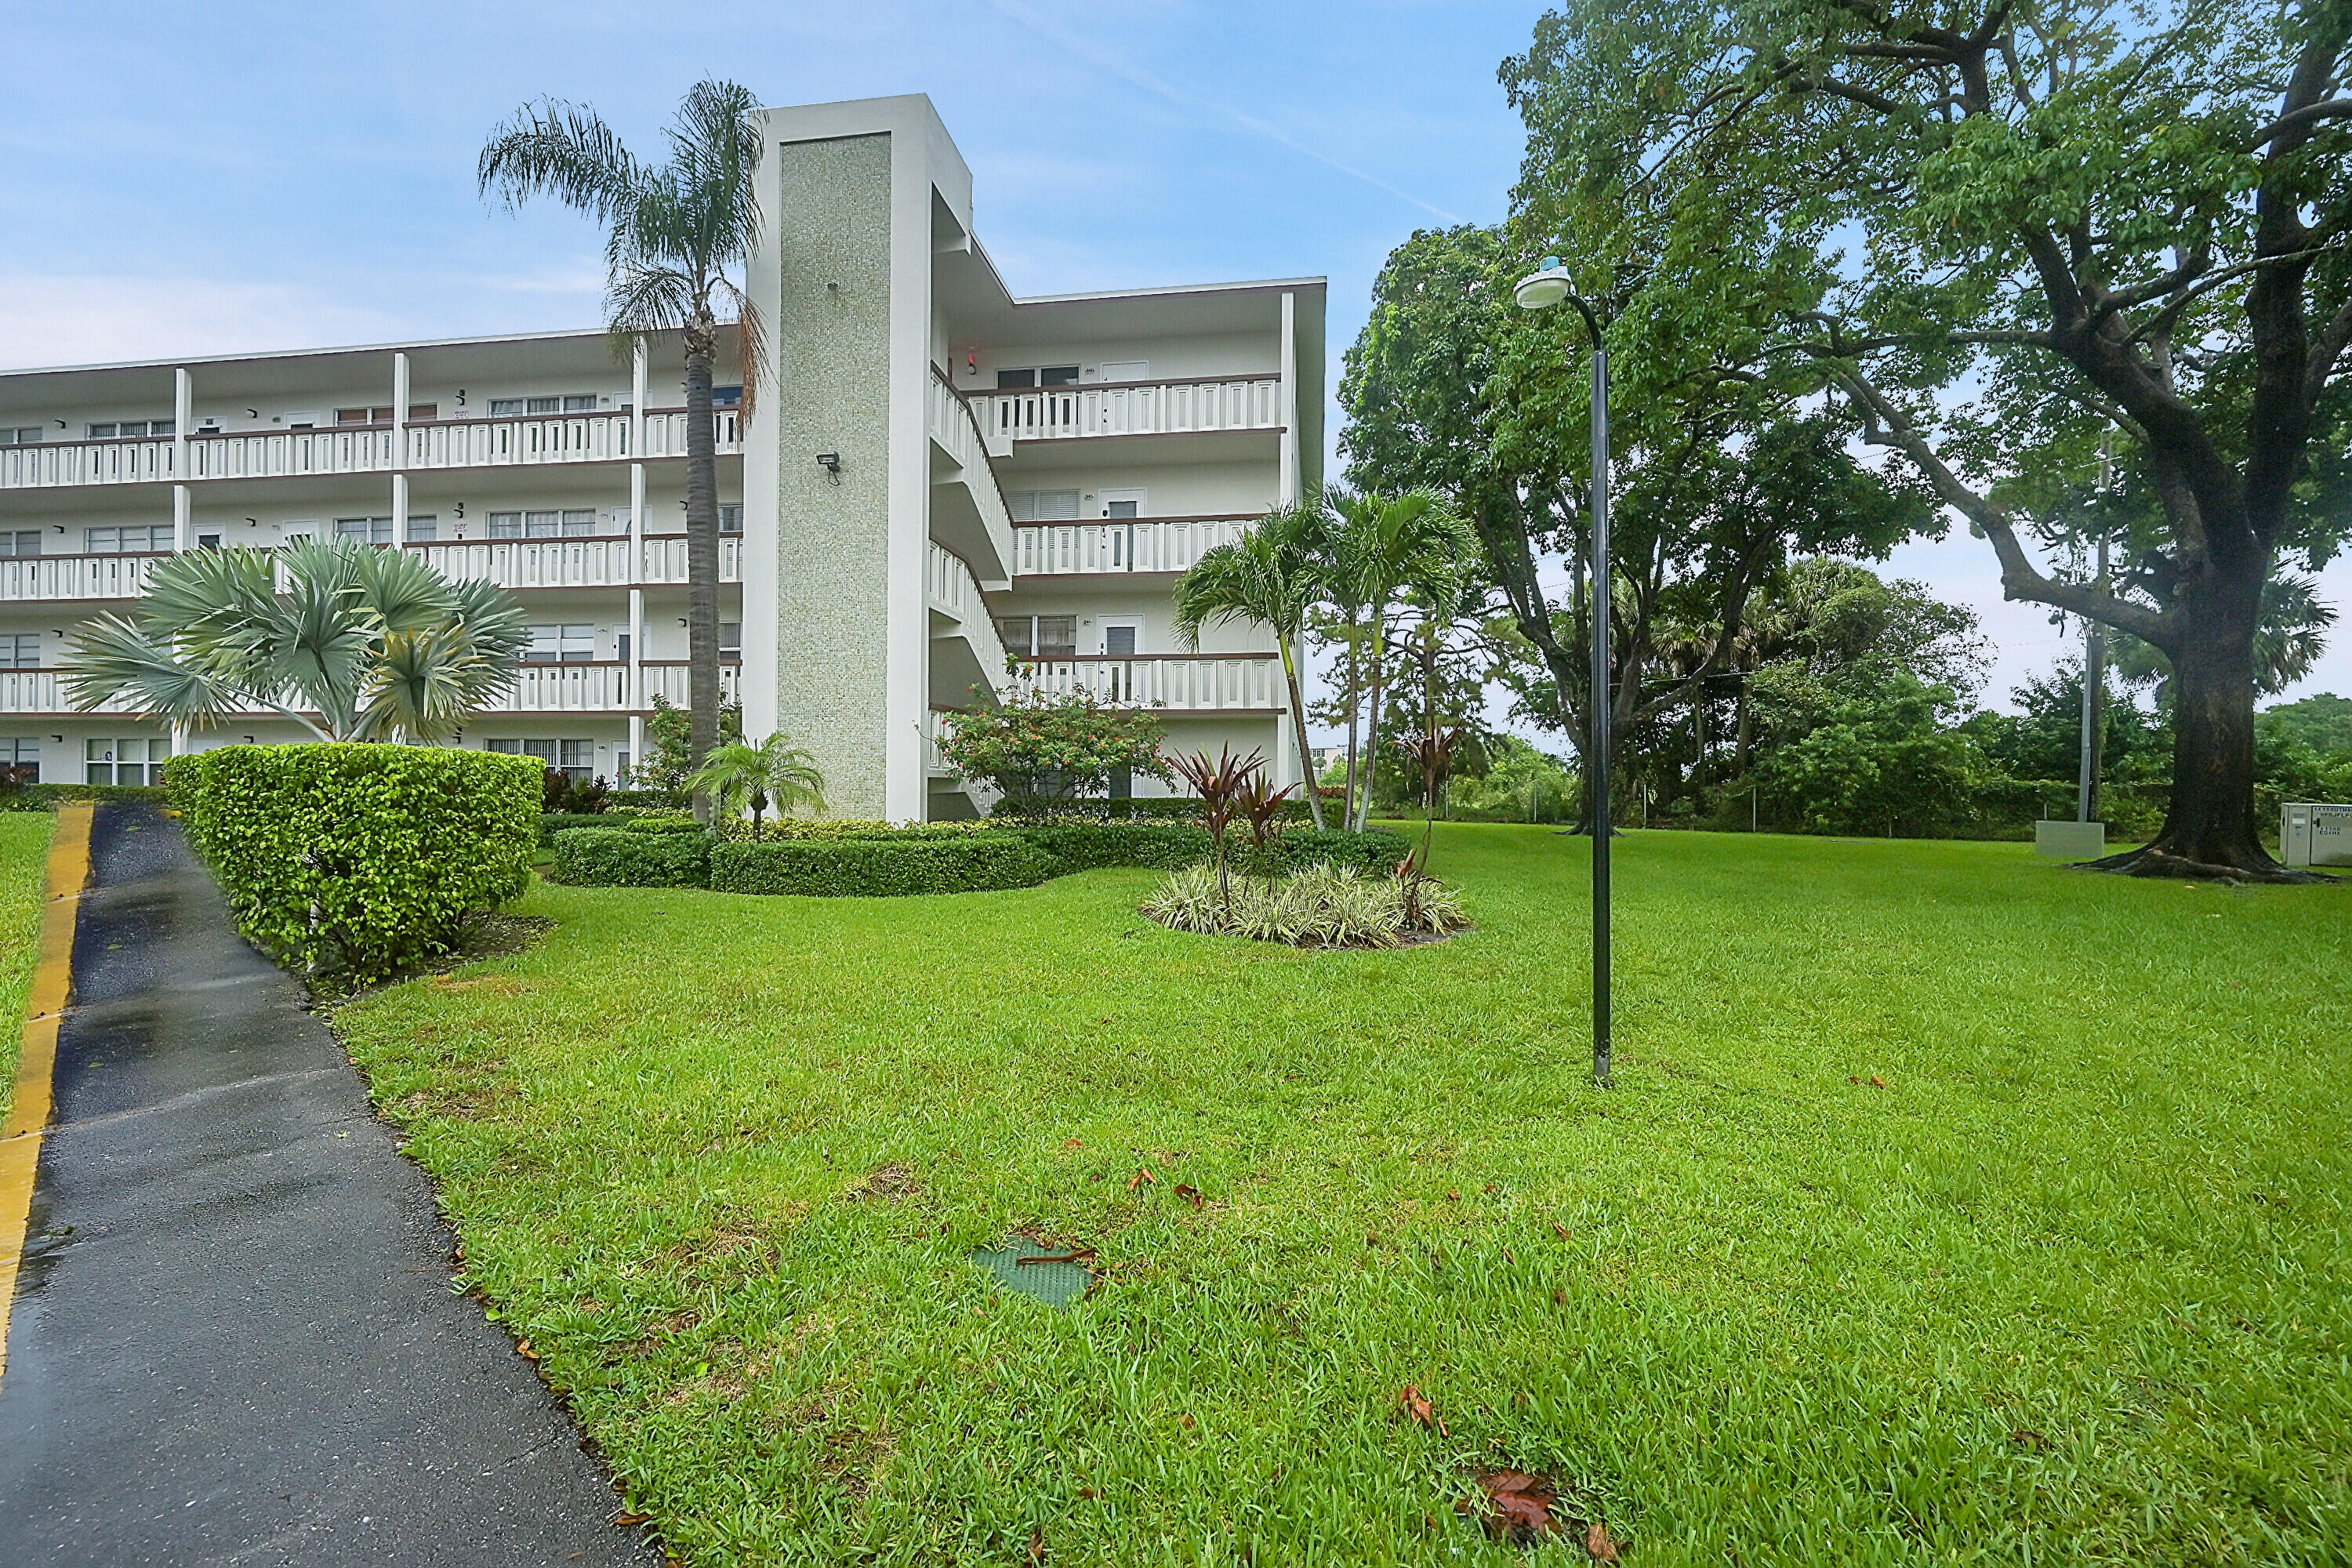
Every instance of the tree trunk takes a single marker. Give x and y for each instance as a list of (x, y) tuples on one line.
[(1348, 800), (1372, 721), (701, 554), (1299, 728), (2209, 827)]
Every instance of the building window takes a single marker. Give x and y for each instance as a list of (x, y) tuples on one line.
[(19, 435), (20, 542), (573, 759), (1044, 506), (542, 525), (128, 541), (506, 525), (731, 640), (568, 643), (129, 429), (424, 411), (21, 759), (125, 761), (501, 408), (727, 397), (1032, 636), (372, 529), (375, 415), (424, 530), (1044, 375), (731, 518), (20, 650)]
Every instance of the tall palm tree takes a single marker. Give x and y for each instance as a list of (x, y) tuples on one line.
[(773, 772), (1271, 577), (351, 642), (1380, 544), (674, 232)]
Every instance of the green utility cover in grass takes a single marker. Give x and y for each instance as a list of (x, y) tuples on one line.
[(1058, 1284)]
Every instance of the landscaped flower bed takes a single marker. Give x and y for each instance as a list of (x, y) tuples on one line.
[(1323, 906)]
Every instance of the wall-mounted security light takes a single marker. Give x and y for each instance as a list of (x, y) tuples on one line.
[(253, 413), (831, 463)]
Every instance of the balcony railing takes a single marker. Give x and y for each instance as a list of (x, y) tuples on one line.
[(1144, 544), (599, 688), (364, 449), (951, 590), (1179, 682), (591, 562), (1132, 408)]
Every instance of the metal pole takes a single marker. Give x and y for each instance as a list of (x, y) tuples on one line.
[(1600, 703)]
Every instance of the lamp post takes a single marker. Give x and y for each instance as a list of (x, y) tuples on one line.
[(1540, 290)]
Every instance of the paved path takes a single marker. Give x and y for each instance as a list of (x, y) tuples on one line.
[(233, 1340)]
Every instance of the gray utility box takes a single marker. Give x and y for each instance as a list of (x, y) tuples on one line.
[(2070, 840), (2314, 835)]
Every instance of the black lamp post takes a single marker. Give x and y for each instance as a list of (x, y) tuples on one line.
[(1540, 290)]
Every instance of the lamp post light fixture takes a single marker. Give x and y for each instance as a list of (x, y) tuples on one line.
[(1541, 290)]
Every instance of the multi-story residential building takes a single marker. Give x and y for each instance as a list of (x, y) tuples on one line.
[(935, 495)]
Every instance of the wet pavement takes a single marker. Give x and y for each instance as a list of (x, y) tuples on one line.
[(233, 1340)]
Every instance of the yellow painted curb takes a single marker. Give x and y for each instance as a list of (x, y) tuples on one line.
[(20, 1137)]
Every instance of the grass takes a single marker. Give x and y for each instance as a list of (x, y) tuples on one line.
[(24, 874), (2075, 1285)]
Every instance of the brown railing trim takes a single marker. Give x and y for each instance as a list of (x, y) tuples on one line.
[(1251, 376), (1131, 658)]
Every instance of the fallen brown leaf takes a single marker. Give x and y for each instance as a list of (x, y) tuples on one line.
[(1876, 1081), (522, 1349), (1421, 1410), (1072, 1144), (1452, 1197), (1190, 1194), (1597, 1541), (1188, 1423), (627, 1516), (1851, 1078), (1518, 1507), (1142, 1178), (1088, 1493), (1559, 1230), (1036, 1534)]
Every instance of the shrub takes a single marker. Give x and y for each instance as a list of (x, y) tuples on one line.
[(1086, 845), (625, 857), (824, 829), (1375, 851), (49, 796), (1322, 906), (1041, 744), (1147, 808), (358, 860), (551, 823), (879, 867)]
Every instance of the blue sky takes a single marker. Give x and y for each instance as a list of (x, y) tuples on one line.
[(241, 176)]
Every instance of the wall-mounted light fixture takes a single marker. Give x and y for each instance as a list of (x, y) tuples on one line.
[(253, 413), (831, 463)]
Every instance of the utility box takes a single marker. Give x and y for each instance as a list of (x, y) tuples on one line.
[(2070, 840), (2314, 835)]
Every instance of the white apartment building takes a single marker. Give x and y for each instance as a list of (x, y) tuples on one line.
[(932, 478)]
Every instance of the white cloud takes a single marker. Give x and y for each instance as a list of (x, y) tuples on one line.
[(61, 319)]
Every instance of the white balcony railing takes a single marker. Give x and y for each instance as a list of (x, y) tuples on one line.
[(1178, 682), (1132, 408), (599, 688), (1144, 544), (34, 579), (593, 563), (290, 454), (951, 590)]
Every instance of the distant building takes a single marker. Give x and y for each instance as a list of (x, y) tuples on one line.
[(1008, 477)]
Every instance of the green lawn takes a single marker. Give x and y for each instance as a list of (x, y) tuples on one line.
[(23, 868), (2071, 1288)]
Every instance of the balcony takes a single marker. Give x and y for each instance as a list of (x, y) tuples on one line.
[(602, 687), (1173, 682), (517, 563), (1131, 408), (436, 444), (967, 656), (1144, 544)]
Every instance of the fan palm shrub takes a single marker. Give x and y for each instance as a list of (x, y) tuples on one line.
[(773, 772), (351, 642), (673, 233)]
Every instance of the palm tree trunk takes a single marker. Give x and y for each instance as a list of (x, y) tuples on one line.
[(701, 553), (1372, 720), (1348, 799), (1298, 727)]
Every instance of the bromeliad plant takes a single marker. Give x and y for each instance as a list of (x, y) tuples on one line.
[(1263, 804), (1220, 785)]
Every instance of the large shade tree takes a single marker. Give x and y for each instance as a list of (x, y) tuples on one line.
[(351, 642), (675, 232), (2011, 235)]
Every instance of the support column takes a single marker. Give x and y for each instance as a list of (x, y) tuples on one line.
[(637, 703), (1289, 399), (400, 448), (183, 412)]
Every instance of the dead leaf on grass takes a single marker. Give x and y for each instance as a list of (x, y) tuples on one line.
[(1518, 1507), (1037, 1537), (522, 1349), (1190, 1195), (1876, 1081), (627, 1516), (1559, 1230), (1421, 1410), (1597, 1542), (1142, 1178)]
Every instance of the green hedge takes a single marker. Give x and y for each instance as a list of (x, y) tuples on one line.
[(625, 857), (1086, 845), (1375, 850), (49, 796), (868, 867), (358, 860), (1147, 808)]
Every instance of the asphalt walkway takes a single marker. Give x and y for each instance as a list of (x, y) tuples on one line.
[(232, 1338)]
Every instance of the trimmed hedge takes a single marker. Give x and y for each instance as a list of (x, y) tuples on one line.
[(867, 867), (1374, 851), (631, 858), (1141, 808), (358, 860), (1086, 845), (49, 796)]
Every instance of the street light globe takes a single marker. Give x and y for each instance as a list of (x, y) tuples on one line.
[(1543, 288)]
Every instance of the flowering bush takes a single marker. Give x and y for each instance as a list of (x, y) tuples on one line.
[(1040, 745)]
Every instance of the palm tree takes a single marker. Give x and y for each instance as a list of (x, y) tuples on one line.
[(1271, 577), (674, 232), (351, 642), (773, 771), (1381, 544)]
